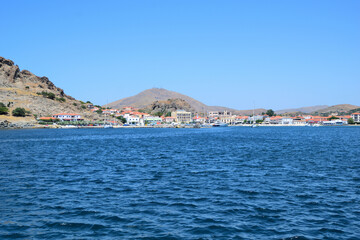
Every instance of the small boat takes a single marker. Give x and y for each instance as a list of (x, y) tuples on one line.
[(219, 124), (254, 125), (108, 126)]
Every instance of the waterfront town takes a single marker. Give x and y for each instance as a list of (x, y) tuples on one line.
[(133, 117)]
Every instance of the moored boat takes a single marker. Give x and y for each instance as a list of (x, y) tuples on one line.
[(219, 124)]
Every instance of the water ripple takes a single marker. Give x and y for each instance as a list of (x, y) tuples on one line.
[(230, 183)]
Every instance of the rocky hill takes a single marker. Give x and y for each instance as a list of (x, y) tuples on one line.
[(169, 105), (147, 97), (21, 88), (339, 109)]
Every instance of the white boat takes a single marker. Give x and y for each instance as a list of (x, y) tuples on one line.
[(219, 124)]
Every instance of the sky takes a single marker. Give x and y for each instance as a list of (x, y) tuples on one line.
[(276, 54)]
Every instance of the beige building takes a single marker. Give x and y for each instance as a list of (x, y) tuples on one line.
[(229, 119), (182, 116)]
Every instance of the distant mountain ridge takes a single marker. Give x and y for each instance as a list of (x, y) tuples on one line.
[(339, 108), (302, 109)]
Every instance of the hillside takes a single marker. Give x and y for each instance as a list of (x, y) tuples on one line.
[(340, 109), (147, 97), (169, 105), (302, 109), (22, 89)]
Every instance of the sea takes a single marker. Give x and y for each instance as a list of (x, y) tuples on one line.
[(213, 183)]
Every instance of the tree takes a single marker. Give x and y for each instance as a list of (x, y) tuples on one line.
[(332, 117), (3, 109), (270, 113), (351, 121), (61, 99), (122, 119), (159, 114), (99, 111), (168, 114), (51, 96), (19, 112)]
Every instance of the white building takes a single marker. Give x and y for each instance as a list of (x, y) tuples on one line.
[(152, 119), (132, 120), (72, 117), (356, 117), (286, 120)]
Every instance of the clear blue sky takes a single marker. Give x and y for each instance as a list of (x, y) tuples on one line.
[(280, 54)]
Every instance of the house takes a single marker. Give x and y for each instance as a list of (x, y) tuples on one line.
[(229, 119), (152, 120), (287, 120), (110, 111), (276, 119), (198, 119), (72, 117), (182, 116), (169, 119), (240, 119), (214, 114), (356, 117), (132, 119)]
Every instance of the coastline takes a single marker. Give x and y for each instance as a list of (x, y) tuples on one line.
[(38, 126)]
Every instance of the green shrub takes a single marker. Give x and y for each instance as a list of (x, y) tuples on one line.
[(83, 106), (351, 121), (122, 119), (75, 104), (19, 112), (4, 110), (61, 99), (47, 95)]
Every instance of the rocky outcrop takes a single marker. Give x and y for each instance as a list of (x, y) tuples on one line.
[(169, 105), (11, 76), (23, 89), (22, 124)]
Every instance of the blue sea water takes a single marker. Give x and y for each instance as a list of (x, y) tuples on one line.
[(219, 183)]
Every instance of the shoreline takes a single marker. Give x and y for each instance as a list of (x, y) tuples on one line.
[(128, 127)]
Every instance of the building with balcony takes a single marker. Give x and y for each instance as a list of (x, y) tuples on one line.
[(182, 116)]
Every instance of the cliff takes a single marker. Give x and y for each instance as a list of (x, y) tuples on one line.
[(21, 88)]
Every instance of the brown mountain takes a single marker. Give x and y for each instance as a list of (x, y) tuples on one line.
[(147, 97), (340, 109), (23, 89), (302, 109)]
